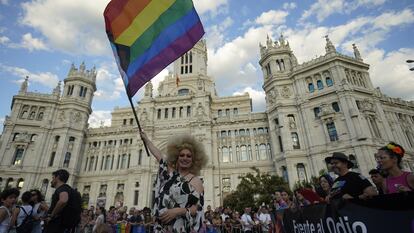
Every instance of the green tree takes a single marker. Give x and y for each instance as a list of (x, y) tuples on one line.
[(255, 189)]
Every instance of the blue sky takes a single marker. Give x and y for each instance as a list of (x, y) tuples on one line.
[(42, 38)]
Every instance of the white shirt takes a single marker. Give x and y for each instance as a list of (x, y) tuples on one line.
[(22, 215), (247, 222), (224, 216), (265, 221), (4, 225)]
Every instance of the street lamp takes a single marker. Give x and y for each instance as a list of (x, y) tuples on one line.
[(411, 61)]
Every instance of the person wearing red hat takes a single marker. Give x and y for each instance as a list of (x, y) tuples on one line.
[(389, 159), (349, 184)]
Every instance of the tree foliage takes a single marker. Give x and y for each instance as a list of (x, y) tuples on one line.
[(255, 189)]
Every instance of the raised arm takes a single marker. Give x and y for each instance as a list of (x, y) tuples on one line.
[(154, 150)]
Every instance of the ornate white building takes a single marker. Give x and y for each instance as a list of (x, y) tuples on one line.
[(313, 109)]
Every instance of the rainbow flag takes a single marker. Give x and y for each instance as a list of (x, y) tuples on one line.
[(147, 35)]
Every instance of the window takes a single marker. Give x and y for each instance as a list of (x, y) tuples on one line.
[(108, 162), (223, 133), (243, 153), (316, 111), (139, 156), (16, 136), (220, 113), (358, 104), (319, 84), (333, 135), (70, 90), (374, 126), (159, 114), (166, 113), (329, 82), (40, 114), (184, 91), (33, 138), (66, 161), (20, 183), (280, 143), (226, 185), (18, 156), (52, 158), (91, 162), (227, 112), (57, 138), (311, 87), (353, 159), (335, 107), (262, 152), (188, 111), (235, 111), (173, 113), (181, 111), (71, 139), (43, 188), (242, 132), (260, 131), (124, 161), (226, 155), (285, 175), (277, 121), (136, 195), (301, 172), (269, 151), (295, 140), (131, 121), (268, 70)]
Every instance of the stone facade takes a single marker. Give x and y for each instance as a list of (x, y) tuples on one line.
[(313, 109)]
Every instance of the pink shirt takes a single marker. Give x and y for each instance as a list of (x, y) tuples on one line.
[(394, 182)]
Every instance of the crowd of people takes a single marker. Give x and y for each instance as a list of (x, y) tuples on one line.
[(179, 204)]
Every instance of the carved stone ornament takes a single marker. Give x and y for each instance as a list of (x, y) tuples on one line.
[(286, 92)]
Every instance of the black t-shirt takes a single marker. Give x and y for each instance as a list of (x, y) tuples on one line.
[(55, 197), (351, 183)]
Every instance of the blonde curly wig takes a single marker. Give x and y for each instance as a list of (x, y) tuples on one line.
[(178, 143)]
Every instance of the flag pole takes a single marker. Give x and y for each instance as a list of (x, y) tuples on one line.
[(139, 125)]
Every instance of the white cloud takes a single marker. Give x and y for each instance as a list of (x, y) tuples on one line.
[(109, 85), (44, 78), (216, 33), (212, 6), (324, 8), (31, 43), (75, 27), (4, 40), (274, 17), (99, 118), (289, 5), (258, 98), (4, 2)]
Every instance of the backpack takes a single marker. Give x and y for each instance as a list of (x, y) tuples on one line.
[(27, 224), (71, 215)]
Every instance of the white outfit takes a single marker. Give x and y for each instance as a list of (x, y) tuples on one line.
[(22, 215), (99, 220), (265, 221), (247, 222), (4, 225)]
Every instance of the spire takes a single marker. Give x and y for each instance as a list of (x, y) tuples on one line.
[(356, 53), (329, 48), (82, 67), (23, 87), (269, 42), (282, 40), (56, 91), (148, 89)]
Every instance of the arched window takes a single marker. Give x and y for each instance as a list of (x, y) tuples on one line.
[(226, 155), (333, 135), (311, 87), (353, 159), (9, 183), (329, 82), (241, 132), (295, 140), (40, 116), (301, 172), (108, 162), (71, 139), (335, 107), (269, 151), (20, 183), (91, 163), (66, 161), (33, 138), (159, 114), (183, 91), (18, 156), (285, 175), (319, 84), (123, 161), (52, 158), (43, 188), (262, 152), (316, 111), (243, 153), (16, 136)]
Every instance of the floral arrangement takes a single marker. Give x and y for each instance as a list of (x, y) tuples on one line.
[(396, 149)]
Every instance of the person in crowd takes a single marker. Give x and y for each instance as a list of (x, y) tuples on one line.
[(236, 222), (24, 210), (349, 184), (216, 222), (179, 198), (92, 208), (225, 214), (389, 159), (264, 219), (40, 209), (146, 212), (84, 221), (287, 199), (247, 221), (100, 220), (112, 215), (279, 203), (227, 228), (325, 182), (136, 219), (300, 199), (7, 200), (91, 221), (131, 213), (378, 179), (60, 199)]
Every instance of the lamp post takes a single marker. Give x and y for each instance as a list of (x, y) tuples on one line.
[(411, 61)]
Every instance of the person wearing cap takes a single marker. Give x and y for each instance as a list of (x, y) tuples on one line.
[(349, 184), (389, 159)]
